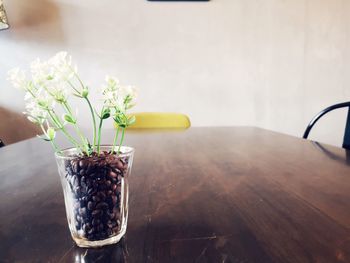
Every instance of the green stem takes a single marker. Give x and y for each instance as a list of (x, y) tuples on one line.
[(72, 86), (54, 145), (94, 123), (79, 79), (99, 136), (91, 110), (59, 125), (122, 139), (76, 128), (115, 139)]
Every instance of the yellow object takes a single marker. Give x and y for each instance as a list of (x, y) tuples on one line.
[(159, 120)]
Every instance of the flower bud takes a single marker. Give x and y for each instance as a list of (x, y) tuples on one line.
[(51, 133), (85, 93)]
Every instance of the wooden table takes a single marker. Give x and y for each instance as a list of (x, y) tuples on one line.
[(204, 195)]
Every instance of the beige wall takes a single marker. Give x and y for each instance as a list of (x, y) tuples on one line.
[(267, 63)]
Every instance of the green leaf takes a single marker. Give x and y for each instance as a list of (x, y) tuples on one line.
[(69, 118), (42, 104), (117, 119)]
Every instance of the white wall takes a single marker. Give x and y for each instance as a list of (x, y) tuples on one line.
[(267, 63)]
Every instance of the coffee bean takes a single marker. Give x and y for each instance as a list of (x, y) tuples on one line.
[(102, 187), (77, 191), (109, 232), (109, 224), (76, 205), (83, 163), (119, 164), (86, 227), (75, 166), (83, 212), (74, 180), (96, 199), (111, 215), (95, 185), (114, 187), (102, 206), (108, 183), (99, 227), (69, 170), (112, 174), (96, 222), (90, 205), (114, 200), (102, 195), (77, 218), (91, 190), (88, 182), (96, 213), (82, 172), (83, 180)]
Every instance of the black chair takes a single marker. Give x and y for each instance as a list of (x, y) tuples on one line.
[(1, 143), (346, 140)]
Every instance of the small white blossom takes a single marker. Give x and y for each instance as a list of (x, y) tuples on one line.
[(18, 78), (35, 113), (129, 95), (120, 97), (53, 75), (62, 64), (42, 72)]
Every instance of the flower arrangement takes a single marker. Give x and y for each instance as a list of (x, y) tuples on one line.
[(94, 177), (47, 94)]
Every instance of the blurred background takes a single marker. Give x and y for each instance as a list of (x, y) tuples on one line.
[(267, 63)]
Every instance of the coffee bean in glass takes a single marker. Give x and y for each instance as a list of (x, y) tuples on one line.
[(96, 194)]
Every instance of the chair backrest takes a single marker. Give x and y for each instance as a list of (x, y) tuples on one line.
[(158, 120), (346, 140)]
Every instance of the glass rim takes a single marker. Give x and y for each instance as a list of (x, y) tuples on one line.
[(60, 155)]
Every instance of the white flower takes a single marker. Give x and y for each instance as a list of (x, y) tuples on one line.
[(62, 65), (35, 113), (59, 92), (18, 78), (38, 105), (129, 95), (53, 75), (41, 72), (119, 97)]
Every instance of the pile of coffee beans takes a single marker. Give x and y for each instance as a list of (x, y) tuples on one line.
[(95, 183)]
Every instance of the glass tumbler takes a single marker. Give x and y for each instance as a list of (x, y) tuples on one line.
[(96, 194)]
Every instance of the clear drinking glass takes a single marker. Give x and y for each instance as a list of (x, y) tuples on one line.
[(96, 194)]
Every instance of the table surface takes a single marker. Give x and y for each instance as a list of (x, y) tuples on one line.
[(236, 194)]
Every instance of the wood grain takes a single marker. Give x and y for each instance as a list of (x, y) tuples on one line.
[(204, 195)]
